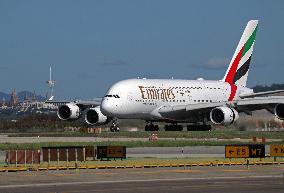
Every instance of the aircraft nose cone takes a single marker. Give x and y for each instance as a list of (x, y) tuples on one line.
[(106, 108)]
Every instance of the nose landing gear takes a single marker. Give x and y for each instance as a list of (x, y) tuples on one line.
[(114, 127)]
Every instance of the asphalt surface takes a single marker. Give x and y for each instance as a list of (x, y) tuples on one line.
[(232, 179), (176, 152)]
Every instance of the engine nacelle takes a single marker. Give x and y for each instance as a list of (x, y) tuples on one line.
[(223, 115), (94, 116), (69, 111), (279, 111)]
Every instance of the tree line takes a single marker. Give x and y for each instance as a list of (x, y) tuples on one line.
[(263, 88)]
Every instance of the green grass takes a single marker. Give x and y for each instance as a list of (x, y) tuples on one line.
[(129, 144), (221, 134), (151, 161)]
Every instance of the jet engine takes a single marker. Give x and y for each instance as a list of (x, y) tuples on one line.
[(223, 115), (279, 111), (69, 111), (94, 116)]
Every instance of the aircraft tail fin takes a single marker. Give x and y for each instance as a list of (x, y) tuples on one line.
[(237, 71)]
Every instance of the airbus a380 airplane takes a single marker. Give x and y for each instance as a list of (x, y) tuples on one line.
[(183, 101)]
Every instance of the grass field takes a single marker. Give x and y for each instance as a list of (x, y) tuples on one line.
[(131, 162), (221, 134), (128, 144)]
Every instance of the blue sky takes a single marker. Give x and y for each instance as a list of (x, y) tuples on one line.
[(93, 44)]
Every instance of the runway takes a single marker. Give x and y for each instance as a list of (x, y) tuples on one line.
[(203, 185), (233, 179)]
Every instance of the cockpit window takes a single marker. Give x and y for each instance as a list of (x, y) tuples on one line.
[(115, 96)]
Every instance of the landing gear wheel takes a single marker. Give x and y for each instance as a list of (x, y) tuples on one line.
[(147, 128), (156, 128), (173, 127), (151, 127), (199, 127), (114, 127)]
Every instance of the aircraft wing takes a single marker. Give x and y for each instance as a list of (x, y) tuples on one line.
[(191, 107), (183, 112), (258, 103), (260, 94), (81, 103), (95, 102), (247, 105)]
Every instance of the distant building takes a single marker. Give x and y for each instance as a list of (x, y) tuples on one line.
[(14, 100), (30, 104), (34, 99), (26, 99)]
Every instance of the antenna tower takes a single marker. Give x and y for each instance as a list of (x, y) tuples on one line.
[(50, 84)]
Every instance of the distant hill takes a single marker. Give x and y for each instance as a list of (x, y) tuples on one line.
[(21, 96), (4, 96)]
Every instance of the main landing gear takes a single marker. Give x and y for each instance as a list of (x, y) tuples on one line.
[(199, 127), (151, 127), (114, 127), (173, 127)]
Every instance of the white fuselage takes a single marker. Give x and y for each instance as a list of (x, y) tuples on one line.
[(138, 98)]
